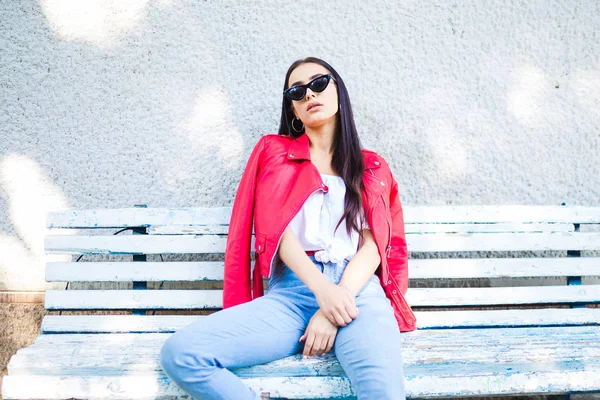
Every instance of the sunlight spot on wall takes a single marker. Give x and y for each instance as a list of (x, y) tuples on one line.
[(98, 22), (212, 127), (449, 155), (587, 90), (528, 89), (29, 197)]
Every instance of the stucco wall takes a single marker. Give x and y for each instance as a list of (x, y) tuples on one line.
[(104, 104)]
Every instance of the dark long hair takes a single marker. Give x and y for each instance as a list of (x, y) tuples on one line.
[(347, 158)]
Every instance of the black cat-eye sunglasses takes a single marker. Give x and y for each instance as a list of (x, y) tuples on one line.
[(316, 85)]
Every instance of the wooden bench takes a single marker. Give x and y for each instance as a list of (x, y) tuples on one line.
[(482, 340)]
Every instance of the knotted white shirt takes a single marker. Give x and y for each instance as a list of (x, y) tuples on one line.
[(314, 224)]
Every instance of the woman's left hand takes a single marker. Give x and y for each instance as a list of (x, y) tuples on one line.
[(319, 335)]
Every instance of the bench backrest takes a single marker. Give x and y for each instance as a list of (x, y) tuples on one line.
[(478, 246)]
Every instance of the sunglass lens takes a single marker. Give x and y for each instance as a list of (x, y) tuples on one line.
[(297, 93), (319, 84)]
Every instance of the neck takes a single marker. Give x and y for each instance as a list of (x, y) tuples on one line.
[(321, 139)]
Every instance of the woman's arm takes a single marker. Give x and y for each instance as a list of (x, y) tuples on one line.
[(362, 265), (294, 256)]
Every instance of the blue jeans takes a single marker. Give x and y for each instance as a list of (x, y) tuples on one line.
[(197, 356)]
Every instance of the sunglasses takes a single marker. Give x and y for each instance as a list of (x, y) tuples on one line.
[(316, 85)]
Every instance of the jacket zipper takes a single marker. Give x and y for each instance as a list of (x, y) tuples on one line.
[(288, 223), (389, 245)]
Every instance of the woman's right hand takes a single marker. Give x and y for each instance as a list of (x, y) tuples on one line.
[(337, 304)]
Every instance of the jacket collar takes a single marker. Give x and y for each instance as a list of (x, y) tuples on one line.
[(299, 149)]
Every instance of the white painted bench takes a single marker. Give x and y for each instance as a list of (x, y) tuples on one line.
[(456, 352)]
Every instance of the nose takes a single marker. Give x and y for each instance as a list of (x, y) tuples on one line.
[(309, 93)]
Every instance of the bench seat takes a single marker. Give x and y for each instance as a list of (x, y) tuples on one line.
[(438, 362), (478, 334)]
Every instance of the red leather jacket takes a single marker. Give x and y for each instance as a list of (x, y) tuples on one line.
[(276, 182)]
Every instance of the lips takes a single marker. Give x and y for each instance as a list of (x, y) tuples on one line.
[(311, 105)]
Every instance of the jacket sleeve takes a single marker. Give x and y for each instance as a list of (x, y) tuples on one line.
[(236, 280), (398, 259)]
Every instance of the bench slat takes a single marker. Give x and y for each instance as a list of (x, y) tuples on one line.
[(408, 228), (135, 217), (460, 268), (425, 320), (134, 271), (167, 244), (419, 269), (101, 352), (475, 296), (504, 241), (152, 387), (128, 217), (131, 358), (502, 213), (418, 337), (420, 297)]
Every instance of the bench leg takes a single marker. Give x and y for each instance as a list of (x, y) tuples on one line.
[(265, 395)]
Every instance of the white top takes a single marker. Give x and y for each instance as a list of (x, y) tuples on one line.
[(314, 224)]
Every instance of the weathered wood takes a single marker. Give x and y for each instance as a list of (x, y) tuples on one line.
[(475, 296), (460, 268), (134, 217), (433, 337), (475, 362), (121, 354), (419, 269), (408, 228), (421, 297), (425, 320), (129, 217), (172, 244), (503, 241), (502, 214), (191, 271), (421, 385)]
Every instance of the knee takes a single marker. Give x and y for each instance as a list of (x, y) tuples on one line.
[(170, 355), (177, 356)]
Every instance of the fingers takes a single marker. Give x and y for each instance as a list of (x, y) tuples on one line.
[(310, 339), (329, 345), (345, 315), (332, 318), (352, 310), (317, 344), (352, 302)]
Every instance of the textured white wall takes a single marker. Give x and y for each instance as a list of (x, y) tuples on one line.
[(105, 103)]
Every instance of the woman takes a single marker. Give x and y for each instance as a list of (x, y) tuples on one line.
[(329, 236)]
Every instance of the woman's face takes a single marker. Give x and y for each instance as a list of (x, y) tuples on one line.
[(316, 116)]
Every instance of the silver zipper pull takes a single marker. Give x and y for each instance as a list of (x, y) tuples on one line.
[(387, 251)]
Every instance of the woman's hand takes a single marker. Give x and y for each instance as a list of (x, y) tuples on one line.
[(319, 335), (337, 304)]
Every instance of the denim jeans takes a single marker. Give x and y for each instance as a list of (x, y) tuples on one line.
[(197, 356)]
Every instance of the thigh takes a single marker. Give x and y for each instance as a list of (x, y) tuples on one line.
[(369, 347), (262, 330)]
